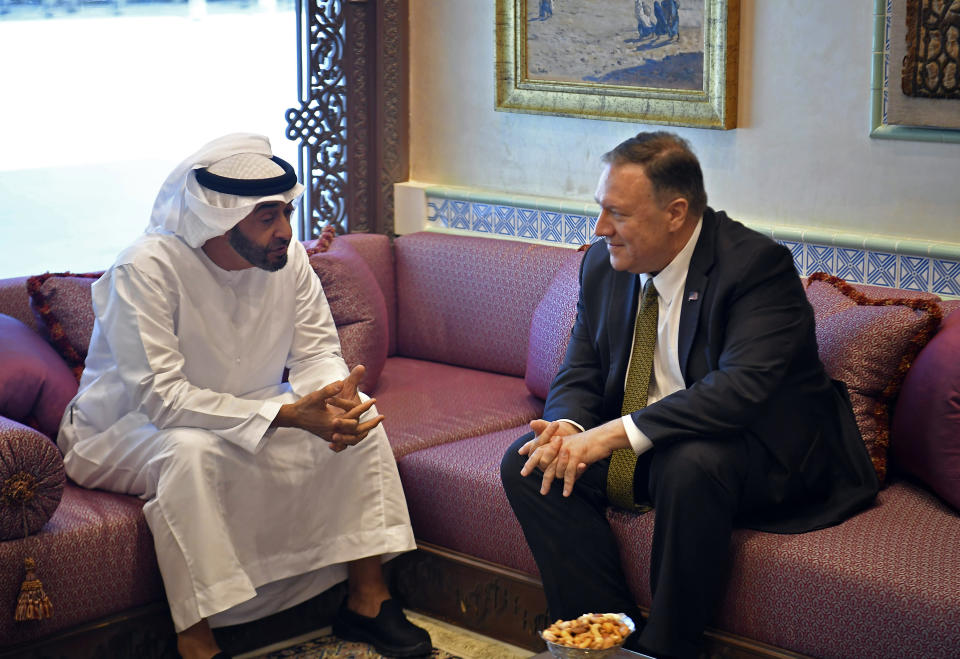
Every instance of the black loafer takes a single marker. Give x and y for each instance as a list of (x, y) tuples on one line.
[(390, 633)]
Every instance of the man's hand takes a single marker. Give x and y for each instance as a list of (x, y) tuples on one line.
[(332, 413), (348, 396), (543, 449), (561, 452)]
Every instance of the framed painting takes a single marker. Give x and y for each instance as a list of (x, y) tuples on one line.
[(915, 86), (643, 61)]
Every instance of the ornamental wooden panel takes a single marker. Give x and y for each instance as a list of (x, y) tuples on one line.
[(351, 122)]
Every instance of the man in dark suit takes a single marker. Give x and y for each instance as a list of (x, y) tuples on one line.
[(729, 412)]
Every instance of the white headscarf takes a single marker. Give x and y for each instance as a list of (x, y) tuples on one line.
[(197, 214)]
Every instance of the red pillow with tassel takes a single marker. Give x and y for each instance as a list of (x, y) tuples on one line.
[(869, 343)]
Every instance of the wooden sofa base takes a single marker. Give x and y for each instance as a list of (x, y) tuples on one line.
[(147, 633), (509, 605), (471, 593)]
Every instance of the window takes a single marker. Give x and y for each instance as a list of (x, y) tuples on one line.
[(102, 100)]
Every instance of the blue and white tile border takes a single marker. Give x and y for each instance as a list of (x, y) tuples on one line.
[(524, 218), (860, 259)]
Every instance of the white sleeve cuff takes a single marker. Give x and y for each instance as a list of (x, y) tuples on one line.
[(573, 423), (638, 441), (259, 430)]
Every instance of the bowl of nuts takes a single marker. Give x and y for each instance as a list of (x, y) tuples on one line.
[(591, 636)]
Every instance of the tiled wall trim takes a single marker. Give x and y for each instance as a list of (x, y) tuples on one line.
[(881, 261)]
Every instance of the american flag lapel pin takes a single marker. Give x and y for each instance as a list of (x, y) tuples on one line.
[(693, 296)]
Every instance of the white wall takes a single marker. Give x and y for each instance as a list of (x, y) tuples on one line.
[(801, 156)]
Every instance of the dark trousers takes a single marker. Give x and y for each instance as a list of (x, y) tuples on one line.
[(698, 489)]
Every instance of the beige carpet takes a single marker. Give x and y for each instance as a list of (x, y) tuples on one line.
[(450, 642)]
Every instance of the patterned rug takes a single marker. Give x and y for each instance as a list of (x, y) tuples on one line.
[(330, 647), (451, 642)]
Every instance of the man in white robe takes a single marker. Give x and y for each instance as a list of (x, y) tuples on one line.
[(260, 493)]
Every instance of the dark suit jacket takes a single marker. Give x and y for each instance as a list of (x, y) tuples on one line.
[(748, 354)]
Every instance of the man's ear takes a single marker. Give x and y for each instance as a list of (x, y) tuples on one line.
[(677, 212)]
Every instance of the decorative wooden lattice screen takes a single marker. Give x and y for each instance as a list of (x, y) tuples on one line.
[(351, 123)]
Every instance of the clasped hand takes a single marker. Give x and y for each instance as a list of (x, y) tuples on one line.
[(333, 412), (563, 452)]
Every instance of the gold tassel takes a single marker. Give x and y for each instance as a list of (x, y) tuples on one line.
[(33, 603)]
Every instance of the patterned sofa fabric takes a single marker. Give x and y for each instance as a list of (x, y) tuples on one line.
[(95, 558), (886, 583), (442, 480), (427, 403), (460, 341), (31, 480), (469, 301)]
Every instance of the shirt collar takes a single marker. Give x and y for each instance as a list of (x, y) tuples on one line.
[(671, 280)]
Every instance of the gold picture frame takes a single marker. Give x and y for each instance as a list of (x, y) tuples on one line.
[(539, 47)]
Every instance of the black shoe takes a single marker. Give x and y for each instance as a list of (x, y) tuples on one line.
[(390, 633)]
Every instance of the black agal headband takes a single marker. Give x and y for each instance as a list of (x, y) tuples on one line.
[(249, 187)]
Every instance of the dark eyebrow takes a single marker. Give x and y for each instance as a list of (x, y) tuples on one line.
[(269, 206)]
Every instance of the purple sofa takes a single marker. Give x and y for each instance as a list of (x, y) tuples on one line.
[(461, 337)]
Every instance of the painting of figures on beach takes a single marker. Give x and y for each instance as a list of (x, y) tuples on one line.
[(634, 43)]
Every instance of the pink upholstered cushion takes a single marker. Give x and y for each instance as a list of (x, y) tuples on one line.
[(426, 403), (35, 383), (358, 308), (551, 325), (31, 479), (869, 344), (925, 440), (95, 558), (885, 583), (15, 301), (376, 250), (64, 311), (469, 301), (456, 499)]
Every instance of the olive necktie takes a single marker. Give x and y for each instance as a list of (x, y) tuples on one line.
[(624, 460)]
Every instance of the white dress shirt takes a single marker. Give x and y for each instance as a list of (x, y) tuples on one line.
[(666, 377)]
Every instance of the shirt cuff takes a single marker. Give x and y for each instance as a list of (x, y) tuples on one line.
[(639, 442), (573, 423), (260, 430)]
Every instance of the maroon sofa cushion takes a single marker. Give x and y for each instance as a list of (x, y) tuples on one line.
[(95, 558), (357, 306), (456, 500), (31, 480), (35, 383), (376, 250), (469, 301), (869, 343), (885, 583), (925, 439), (426, 403), (551, 325)]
